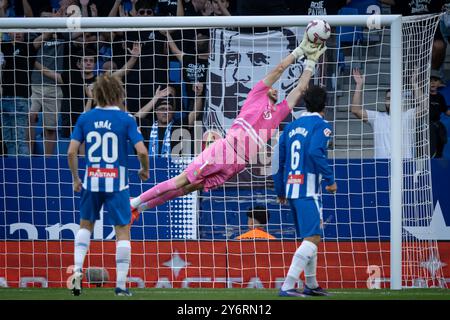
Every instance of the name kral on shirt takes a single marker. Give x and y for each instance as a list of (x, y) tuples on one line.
[(102, 124)]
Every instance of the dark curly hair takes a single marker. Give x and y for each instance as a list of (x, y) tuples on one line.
[(315, 99)]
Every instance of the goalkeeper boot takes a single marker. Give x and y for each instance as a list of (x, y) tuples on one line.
[(315, 292), (123, 293), (76, 283), (134, 214), (291, 293)]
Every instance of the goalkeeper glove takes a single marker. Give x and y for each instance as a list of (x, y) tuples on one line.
[(300, 50), (313, 56)]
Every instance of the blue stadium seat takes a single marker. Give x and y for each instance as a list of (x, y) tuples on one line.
[(175, 72), (63, 146), (365, 6), (446, 121), (175, 76), (347, 36), (445, 91)]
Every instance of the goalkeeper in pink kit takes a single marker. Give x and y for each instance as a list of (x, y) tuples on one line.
[(252, 128)]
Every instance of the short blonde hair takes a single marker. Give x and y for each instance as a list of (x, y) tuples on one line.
[(108, 90)]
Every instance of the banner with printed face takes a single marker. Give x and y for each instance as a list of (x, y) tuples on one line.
[(238, 62)]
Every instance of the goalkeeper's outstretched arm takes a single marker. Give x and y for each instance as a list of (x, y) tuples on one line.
[(313, 55), (276, 73)]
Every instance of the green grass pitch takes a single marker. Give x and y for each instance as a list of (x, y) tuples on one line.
[(216, 294)]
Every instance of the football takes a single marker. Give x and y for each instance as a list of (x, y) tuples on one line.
[(318, 31)]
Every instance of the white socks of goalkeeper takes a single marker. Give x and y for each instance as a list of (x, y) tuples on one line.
[(302, 257), (82, 240), (123, 256)]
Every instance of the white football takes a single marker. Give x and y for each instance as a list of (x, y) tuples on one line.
[(318, 31)]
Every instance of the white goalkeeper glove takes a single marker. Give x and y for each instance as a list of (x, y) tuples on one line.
[(313, 56), (300, 50), (306, 47)]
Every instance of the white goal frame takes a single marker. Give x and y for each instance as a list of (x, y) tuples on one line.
[(392, 21)]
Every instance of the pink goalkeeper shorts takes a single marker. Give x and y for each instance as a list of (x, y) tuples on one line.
[(215, 165)]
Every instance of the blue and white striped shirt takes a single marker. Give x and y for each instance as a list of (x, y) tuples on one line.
[(302, 157), (106, 132)]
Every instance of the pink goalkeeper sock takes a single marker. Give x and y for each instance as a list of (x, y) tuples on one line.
[(158, 190), (164, 198)]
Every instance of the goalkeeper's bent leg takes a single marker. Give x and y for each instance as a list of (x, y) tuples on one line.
[(161, 188), (169, 196), (162, 199)]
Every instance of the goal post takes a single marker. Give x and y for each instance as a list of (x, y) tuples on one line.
[(396, 154), (405, 252)]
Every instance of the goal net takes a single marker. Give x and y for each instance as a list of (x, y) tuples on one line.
[(184, 88)]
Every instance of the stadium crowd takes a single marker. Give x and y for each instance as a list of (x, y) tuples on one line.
[(47, 78)]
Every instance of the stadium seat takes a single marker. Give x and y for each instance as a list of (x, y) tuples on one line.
[(365, 6), (63, 146), (445, 91), (446, 121), (347, 36), (175, 72), (175, 76)]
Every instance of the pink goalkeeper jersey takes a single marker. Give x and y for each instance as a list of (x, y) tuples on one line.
[(257, 121)]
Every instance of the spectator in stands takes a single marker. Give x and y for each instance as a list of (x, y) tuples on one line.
[(414, 7), (46, 93), (221, 7), (258, 218), (23, 8), (158, 114), (167, 7), (150, 70), (195, 67), (76, 84), (6, 9), (261, 8), (438, 132), (105, 7), (191, 8), (86, 9), (111, 51), (18, 60), (380, 121), (316, 8)]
